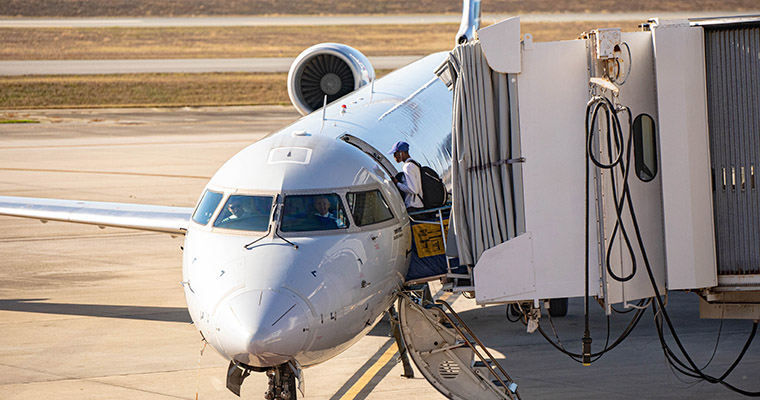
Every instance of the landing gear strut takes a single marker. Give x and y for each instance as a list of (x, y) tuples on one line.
[(282, 383)]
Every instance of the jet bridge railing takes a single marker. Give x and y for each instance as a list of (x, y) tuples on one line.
[(439, 216), (457, 277)]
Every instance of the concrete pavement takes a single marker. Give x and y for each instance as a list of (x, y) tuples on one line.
[(184, 65), (99, 314)]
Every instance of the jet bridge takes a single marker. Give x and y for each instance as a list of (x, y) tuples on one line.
[(610, 165)]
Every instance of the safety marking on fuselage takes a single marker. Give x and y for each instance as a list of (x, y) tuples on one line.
[(364, 380)]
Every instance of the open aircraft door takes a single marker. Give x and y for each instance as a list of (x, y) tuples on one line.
[(372, 152)]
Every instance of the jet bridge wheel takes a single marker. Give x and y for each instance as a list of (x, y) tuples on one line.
[(558, 307)]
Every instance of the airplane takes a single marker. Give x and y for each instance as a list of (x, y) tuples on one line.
[(269, 285)]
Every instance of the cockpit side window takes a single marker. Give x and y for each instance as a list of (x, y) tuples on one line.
[(206, 207), (245, 213), (368, 207), (313, 213)]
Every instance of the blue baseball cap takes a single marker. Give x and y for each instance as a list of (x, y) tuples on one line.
[(399, 146)]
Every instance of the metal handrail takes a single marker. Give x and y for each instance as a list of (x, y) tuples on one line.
[(475, 338), (429, 210)]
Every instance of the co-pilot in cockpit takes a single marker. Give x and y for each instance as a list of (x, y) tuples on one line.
[(313, 213)]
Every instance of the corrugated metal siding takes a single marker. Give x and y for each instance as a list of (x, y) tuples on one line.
[(732, 56)]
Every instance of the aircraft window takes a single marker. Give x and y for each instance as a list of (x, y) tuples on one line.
[(368, 207), (245, 213), (207, 207), (313, 213)]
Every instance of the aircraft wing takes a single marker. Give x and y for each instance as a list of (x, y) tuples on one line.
[(172, 220)]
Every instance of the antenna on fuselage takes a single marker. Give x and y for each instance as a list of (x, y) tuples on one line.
[(324, 112), (470, 21)]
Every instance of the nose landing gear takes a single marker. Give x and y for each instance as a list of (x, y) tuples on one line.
[(282, 383)]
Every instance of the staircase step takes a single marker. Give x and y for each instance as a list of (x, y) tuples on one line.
[(481, 364), (511, 386)]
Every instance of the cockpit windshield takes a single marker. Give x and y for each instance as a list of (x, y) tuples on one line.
[(206, 207), (313, 213), (245, 213)]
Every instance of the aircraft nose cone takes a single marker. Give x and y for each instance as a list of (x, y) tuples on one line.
[(262, 328)]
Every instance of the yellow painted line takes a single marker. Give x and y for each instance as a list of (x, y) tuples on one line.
[(370, 373)]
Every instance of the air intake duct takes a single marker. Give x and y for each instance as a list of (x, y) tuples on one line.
[(326, 69)]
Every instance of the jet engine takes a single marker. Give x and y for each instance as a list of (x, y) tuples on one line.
[(326, 69)]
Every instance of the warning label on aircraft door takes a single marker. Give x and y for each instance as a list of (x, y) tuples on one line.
[(428, 238)]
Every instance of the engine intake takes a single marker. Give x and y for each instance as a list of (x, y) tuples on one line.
[(330, 69)]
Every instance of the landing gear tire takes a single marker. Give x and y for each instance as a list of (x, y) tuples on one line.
[(282, 383), (558, 307)]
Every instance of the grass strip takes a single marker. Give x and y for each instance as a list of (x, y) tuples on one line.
[(18, 121), (142, 90), (163, 8)]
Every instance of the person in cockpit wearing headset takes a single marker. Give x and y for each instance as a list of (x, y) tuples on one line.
[(409, 181)]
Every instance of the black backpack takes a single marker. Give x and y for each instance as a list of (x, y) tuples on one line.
[(433, 189)]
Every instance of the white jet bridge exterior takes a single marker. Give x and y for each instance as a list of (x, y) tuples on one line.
[(534, 138)]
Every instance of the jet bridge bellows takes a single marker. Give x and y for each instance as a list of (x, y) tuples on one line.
[(732, 55), (486, 167)]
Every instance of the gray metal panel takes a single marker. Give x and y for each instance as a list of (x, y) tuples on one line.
[(732, 57), (171, 220)]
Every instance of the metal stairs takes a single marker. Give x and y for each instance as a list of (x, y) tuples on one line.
[(447, 352), (459, 281)]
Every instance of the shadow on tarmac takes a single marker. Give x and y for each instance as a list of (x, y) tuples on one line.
[(164, 314)]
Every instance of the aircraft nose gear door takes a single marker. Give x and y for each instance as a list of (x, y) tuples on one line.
[(441, 348)]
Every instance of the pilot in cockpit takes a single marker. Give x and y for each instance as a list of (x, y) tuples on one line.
[(236, 210), (322, 208), (322, 213), (312, 213)]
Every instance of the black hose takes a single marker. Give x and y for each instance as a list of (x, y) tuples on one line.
[(614, 133)]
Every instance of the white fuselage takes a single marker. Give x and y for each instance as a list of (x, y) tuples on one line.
[(305, 295)]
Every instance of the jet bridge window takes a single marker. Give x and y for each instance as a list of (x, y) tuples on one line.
[(313, 213), (645, 147), (368, 207), (206, 207), (245, 213)]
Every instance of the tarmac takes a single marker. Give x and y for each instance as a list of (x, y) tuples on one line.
[(176, 65), (87, 313)]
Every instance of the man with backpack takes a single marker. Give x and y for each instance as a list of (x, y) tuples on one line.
[(411, 184)]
